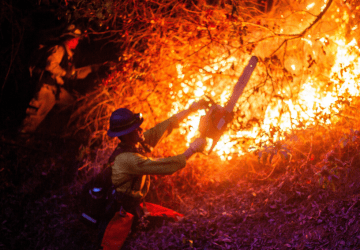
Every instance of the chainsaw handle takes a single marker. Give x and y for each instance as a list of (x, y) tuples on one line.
[(214, 123), (214, 142), (201, 104), (210, 100)]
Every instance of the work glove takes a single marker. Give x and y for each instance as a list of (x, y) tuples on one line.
[(206, 125), (198, 145), (71, 72), (102, 67), (202, 104)]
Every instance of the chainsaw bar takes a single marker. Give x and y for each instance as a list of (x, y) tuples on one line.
[(238, 90), (214, 123), (241, 84)]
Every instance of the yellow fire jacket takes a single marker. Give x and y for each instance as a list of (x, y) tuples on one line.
[(53, 65), (137, 168)]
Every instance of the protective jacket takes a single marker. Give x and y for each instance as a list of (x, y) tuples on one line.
[(131, 170), (60, 64), (135, 167), (51, 89)]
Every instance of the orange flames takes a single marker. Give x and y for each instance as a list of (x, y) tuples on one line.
[(316, 96)]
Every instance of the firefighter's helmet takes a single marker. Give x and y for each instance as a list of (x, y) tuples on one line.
[(124, 121)]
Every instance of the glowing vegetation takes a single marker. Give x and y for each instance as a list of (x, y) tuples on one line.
[(284, 175), (173, 53)]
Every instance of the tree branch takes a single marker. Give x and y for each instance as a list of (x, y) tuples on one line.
[(302, 34)]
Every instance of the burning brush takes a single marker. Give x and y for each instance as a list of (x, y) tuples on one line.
[(214, 123)]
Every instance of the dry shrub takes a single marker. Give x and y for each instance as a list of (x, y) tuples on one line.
[(166, 47)]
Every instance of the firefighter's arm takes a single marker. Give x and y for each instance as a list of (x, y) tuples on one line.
[(81, 73), (202, 104), (163, 129), (136, 164), (53, 62), (197, 146)]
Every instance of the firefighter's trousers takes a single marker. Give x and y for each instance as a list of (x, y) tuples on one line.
[(41, 105)]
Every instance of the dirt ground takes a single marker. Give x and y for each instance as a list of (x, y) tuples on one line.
[(40, 205)]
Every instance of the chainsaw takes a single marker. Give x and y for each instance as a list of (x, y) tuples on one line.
[(214, 123)]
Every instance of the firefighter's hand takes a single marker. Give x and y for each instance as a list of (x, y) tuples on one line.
[(202, 104), (70, 73), (100, 67), (198, 145)]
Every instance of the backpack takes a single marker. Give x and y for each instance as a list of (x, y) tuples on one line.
[(98, 198)]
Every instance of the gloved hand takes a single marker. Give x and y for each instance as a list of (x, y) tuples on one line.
[(102, 67), (202, 104), (198, 145), (70, 73)]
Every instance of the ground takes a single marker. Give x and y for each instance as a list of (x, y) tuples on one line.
[(304, 203), (40, 205)]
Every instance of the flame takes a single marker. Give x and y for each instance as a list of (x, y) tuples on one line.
[(344, 76), (285, 114), (312, 98), (310, 6)]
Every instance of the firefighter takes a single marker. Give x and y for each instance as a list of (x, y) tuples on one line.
[(53, 79), (131, 168)]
